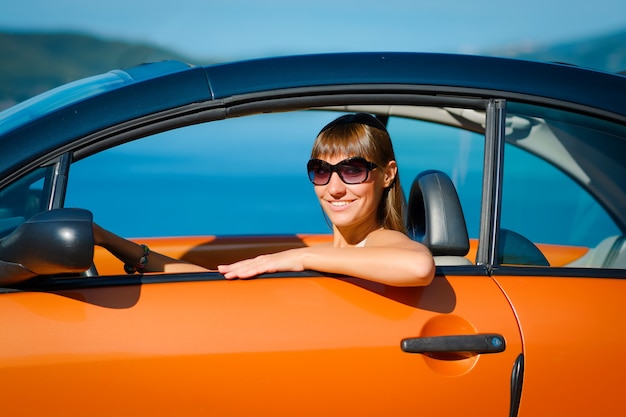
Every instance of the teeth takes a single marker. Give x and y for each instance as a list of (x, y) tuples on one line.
[(340, 203)]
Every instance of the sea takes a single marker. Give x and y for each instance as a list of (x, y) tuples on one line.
[(159, 188)]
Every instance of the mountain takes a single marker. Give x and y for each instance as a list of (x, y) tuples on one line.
[(31, 63), (606, 52), (34, 62)]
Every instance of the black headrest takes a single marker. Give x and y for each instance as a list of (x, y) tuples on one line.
[(435, 216)]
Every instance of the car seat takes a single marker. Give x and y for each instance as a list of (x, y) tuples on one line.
[(610, 253), (435, 218)]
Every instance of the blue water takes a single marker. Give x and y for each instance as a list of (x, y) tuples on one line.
[(192, 205)]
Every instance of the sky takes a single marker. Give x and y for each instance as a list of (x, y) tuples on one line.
[(242, 29)]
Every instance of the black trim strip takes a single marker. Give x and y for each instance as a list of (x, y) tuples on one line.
[(59, 181), (49, 283), (68, 283), (461, 270), (492, 184), (299, 95), (559, 272), (517, 380)]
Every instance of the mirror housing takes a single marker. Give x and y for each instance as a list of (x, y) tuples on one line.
[(53, 242)]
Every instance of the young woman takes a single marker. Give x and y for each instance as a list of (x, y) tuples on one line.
[(355, 177)]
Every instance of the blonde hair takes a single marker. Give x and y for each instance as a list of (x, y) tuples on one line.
[(363, 135)]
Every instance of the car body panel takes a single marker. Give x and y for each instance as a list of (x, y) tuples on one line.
[(197, 347), (560, 335)]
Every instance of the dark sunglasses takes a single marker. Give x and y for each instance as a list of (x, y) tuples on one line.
[(351, 171)]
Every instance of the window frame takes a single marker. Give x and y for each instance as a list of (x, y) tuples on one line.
[(495, 108), (496, 142)]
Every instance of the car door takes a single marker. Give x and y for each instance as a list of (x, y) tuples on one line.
[(562, 178), (270, 346), (281, 344)]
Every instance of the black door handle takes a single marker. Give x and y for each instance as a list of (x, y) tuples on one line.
[(471, 343)]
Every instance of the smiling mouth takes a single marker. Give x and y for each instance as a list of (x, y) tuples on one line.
[(340, 204)]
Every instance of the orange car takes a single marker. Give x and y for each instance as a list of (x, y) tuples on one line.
[(515, 178)]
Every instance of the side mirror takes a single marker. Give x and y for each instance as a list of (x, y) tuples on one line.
[(52, 242)]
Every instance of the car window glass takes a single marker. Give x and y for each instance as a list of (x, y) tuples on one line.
[(247, 176), (231, 177), (422, 146), (22, 199), (555, 182)]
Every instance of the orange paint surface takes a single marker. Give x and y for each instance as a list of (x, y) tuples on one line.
[(281, 346)]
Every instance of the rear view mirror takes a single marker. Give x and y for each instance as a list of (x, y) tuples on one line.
[(52, 242)]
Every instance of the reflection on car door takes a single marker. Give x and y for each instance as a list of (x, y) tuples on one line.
[(573, 342), (271, 346)]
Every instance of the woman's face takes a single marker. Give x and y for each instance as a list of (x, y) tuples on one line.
[(354, 205)]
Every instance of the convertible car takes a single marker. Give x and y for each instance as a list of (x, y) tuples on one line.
[(514, 173)]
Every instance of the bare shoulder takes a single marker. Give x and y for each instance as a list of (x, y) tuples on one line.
[(387, 237)]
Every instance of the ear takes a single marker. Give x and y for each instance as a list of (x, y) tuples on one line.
[(390, 172)]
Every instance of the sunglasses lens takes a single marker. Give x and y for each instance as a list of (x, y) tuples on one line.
[(319, 172), (353, 172)]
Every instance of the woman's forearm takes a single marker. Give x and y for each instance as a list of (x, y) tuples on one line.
[(391, 266), (131, 253)]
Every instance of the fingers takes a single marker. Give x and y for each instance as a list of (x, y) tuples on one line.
[(243, 269), (263, 264), (249, 268)]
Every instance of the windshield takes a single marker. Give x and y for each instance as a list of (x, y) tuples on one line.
[(59, 97)]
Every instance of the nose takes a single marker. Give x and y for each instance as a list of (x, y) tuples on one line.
[(335, 185)]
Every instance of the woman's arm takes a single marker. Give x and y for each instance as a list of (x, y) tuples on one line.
[(388, 257), (130, 253)]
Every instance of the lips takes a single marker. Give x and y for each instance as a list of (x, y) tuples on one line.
[(339, 205)]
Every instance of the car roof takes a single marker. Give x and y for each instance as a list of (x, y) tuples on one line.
[(558, 82), (149, 89)]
